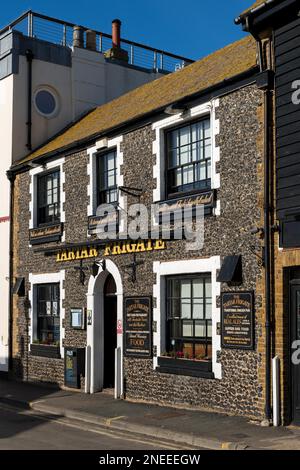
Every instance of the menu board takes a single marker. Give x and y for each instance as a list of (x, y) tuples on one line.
[(237, 320), (138, 327)]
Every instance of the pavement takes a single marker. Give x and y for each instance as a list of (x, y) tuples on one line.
[(192, 429)]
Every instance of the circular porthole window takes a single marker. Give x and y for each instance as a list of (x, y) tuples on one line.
[(46, 102)]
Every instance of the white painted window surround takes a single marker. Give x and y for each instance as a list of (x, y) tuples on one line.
[(48, 278), (33, 191), (194, 266), (91, 171), (159, 146)]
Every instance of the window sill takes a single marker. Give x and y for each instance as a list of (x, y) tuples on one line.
[(46, 234), (45, 350), (168, 365)]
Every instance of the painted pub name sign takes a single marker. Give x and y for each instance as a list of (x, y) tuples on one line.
[(112, 249), (237, 320), (138, 327)]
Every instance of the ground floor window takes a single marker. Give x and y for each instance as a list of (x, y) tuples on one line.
[(189, 317), (47, 313)]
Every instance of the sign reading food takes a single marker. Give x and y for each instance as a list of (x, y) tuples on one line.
[(138, 327), (237, 320)]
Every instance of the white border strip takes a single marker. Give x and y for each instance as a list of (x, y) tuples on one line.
[(48, 278), (194, 266), (33, 191)]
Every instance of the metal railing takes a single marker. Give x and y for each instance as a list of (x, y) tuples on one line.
[(60, 32)]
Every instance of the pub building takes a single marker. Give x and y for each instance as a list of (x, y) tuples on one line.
[(148, 318)]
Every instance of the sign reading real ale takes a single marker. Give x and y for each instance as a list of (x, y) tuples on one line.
[(237, 320), (138, 327)]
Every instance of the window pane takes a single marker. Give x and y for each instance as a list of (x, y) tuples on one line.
[(186, 289), (200, 329), (184, 135), (208, 288), (196, 132), (174, 308), (208, 309), (207, 129), (110, 161), (186, 310), (174, 139), (198, 311), (185, 155), (188, 174), (187, 329), (209, 329), (198, 288)]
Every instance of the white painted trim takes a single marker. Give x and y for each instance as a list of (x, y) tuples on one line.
[(158, 146), (33, 191), (47, 278), (95, 331), (91, 171), (194, 266)]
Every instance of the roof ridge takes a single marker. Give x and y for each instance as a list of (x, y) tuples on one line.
[(227, 62)]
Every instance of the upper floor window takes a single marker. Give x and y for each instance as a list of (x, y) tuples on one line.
[(107, 192), (189, 316), (48, 198), (189, 158), (47, 309)]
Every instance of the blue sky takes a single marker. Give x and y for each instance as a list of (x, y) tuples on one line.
[(192, 28)]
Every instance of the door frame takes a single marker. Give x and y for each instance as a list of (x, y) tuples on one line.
[(95, 330)]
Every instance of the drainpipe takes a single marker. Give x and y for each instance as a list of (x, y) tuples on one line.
[(11, 178), (29, 57), (267, 256), (267, 229)]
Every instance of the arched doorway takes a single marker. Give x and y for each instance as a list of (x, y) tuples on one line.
[(104, 312), (110, 331)]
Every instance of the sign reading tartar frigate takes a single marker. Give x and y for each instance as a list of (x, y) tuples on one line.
[(237, 320), (138, 327)]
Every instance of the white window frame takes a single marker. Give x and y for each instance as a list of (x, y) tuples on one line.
[(49, 278), (104, 144), (33, 174), (160, 128), (186, 267)]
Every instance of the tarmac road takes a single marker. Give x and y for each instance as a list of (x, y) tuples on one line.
[(26, 430)]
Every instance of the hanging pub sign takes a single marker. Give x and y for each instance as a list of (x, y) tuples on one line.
[(103, 224), (138, 327), (237, 320), (45, 234), (174, 207)]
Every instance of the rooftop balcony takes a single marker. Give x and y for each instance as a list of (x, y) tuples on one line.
[(60, 32)]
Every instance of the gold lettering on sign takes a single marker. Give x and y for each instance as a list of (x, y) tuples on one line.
[(78, 254), (123, 248)]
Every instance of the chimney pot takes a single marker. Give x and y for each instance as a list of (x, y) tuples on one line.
[(78, 36), (116, 33), (91, 40)]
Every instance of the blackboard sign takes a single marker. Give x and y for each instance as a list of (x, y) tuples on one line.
[(237, 320), (138, 327)]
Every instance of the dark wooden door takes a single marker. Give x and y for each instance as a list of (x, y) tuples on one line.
[(110, 340), (295, 336)]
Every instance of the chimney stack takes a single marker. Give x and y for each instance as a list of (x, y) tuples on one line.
[(116, 33), (116, 52)]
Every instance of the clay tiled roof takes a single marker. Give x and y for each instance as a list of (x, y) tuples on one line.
[(213, 69)]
